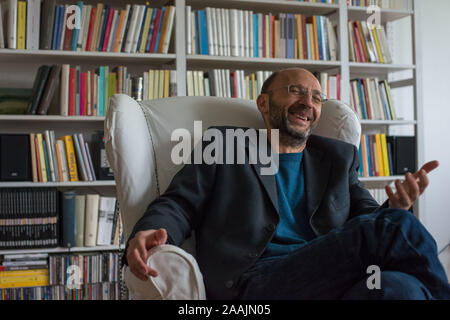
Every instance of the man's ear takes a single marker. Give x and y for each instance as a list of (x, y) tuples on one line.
[(263, 103)]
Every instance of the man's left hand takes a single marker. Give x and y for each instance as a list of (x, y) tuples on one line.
[(410, 190)]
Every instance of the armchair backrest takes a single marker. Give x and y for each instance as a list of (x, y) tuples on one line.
[(138, 139)]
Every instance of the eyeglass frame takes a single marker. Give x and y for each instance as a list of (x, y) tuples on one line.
[(322, 95)]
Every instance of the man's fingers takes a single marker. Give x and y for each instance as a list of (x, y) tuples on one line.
[(423, 181), (412, 186), (429, 166), (157, 238), (402, 194), (393, 198), (137, 266)]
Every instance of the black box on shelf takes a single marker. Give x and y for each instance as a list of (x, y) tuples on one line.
[(101, 165), (15, 157), (403, 150)]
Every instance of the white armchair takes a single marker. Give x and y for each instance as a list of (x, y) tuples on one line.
[(138, 145)]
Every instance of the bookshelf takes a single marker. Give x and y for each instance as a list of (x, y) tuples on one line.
[(18, 67)]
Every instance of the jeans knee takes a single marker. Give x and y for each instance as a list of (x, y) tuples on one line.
[(401, 286)]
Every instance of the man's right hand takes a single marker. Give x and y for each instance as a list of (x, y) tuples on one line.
[(137, 251)]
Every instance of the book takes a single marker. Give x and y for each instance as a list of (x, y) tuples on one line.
[(68, 218), (79, 159), (64, 90), (80, 209), (38, 88), (91, 166), (62, 158), (105, 220), (33, 158), (11, 23), (91, 220), (50, 155), (50, 88), (71, 159), (33, 17), (42, 161), (85, 158)]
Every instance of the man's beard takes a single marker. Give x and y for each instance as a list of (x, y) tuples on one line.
[(289, 136)]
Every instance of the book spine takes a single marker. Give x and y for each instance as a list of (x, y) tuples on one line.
[(50, 88), (71, 161), (68, 218), (85, 159), (79, 158), (21, 23), (42, 158), (33, 158)]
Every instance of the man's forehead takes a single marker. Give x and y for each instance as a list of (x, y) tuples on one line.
[(299, 76)]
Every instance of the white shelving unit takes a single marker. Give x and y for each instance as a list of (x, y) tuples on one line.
[(24, 63)]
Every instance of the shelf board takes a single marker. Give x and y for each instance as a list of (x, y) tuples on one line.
[(227, 62), (87, 57), (263, 6), (29, 184), (50, 118), (386, 15), (381, 179), (388, 122), (62, 249), (377, 68)]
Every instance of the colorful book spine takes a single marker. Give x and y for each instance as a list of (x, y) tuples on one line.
[(71, 159)]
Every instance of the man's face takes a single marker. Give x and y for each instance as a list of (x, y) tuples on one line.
[(294, 116)]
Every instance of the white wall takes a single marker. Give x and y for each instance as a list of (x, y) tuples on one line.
[(434, 47)]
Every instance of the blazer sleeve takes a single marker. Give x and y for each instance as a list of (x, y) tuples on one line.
[(180, 207), (361, 201)]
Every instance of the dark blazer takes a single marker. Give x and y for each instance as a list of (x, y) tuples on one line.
[(233, 208)]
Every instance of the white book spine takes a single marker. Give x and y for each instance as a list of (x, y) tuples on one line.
[(241, 33), (82, 27), (145, 89), (12, 24), (259, 80), (105, 220), (33, 24), (201, 84), (243, 84), (246, 30), (234, 33), (91, 220), (220, 42), (91, 166), (53, 148), (227, 31), (131, 28), (84, 154), (189, 83), (137, 29), (193, 34), (238, 84), (250, 19), (215, 33), (64, 111), (206, 86), (169, 28), (189, 30), (228, 82), (209, 24), (196, 84)]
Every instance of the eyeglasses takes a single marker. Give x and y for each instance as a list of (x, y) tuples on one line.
[(300, 91)]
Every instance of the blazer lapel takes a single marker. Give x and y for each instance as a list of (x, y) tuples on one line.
[(316, 172)]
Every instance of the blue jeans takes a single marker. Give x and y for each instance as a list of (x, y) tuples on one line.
[(334, 266)]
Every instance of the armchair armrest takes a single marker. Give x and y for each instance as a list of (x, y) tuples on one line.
[(179, 277)]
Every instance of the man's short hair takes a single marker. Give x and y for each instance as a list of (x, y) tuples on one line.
[(268, 82)]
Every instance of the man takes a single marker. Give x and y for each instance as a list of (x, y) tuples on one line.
[(311, 231)]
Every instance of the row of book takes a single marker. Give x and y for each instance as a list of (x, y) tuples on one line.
[(371, 99), (383, 156), (66, 159), (242, 33), (95, 291), (225, 83), (368, 43), (89, 220), (86, 27), (384, 4), (29, 218), (45, 217), (74, 276)]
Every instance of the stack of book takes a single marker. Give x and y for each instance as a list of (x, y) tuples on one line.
[(89, 220), (62, 160), (86, 27), (331, 84), (14, 100), (371, 99), (29, 218), (88, 276), (385, 4), (375, 156), (242, 33), (368, 43), (225, 83), (24, 270)]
